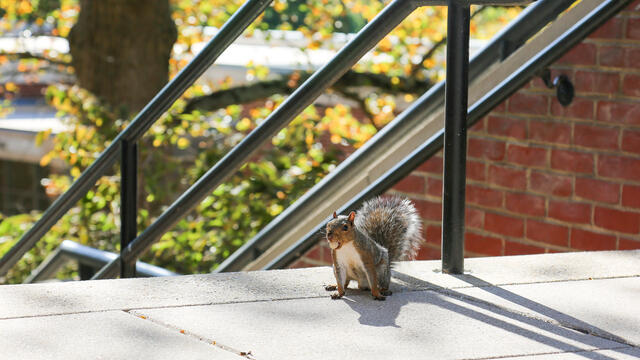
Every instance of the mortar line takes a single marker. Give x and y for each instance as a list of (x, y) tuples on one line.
[(191, 334)]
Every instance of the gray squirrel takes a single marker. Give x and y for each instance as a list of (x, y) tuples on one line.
[(363, 244)]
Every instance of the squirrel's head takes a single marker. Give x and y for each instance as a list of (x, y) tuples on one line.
[(340, 230)]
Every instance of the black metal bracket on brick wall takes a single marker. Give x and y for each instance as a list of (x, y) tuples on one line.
[(564, 88)]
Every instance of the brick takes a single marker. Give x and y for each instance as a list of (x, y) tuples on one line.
[(611, 56), (552, 132), (475, 170), (632, 58), (504, 225), (596, 137), (525, 204), (484, 245), (631, 196), (551, 184), (429, 210), (537, 83), (483, 196), (300, 264), (631, 85), (429, 253), (315, 253), (547, 233), (619, 167), (527, 155), (588, 240), (631, 141), (581, 54), (578, 109), (504, 126), (633, 28), (508, 177), (618, 112), (612, 29), (596, 190), (502, 107), (596, 82), (486, 149), (628, 244), (572, 161), (478, 127), (617, 220), (516, 248), (433, 234), (434, 187), (634, 6), (570, 211), (433, 165), (473, 218), (529, 104), (411, 184)]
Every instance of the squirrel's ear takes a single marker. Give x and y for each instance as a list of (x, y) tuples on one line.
[(352, 215), (335, 215)]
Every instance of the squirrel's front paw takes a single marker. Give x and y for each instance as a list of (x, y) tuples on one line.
[(379, 298), (331, 287), (335, 296)]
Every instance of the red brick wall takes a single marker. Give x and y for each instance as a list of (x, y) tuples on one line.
[(546, 178)]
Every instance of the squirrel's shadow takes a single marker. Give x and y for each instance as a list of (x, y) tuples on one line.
[(374, 312)]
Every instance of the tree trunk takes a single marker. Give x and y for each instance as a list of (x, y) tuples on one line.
[(120, 49)]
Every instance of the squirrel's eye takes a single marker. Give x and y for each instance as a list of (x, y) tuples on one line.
[(345, 227)]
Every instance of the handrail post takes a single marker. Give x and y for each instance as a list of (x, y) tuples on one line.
[(455, 136), (128, 203)]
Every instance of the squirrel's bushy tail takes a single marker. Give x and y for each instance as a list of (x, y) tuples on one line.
[(394, 223)]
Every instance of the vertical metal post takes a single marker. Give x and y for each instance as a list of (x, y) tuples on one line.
[(455, 136), (128, 203)]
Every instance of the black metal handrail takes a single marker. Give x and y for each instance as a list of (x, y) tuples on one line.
[(88, 257), (528, 23), (142, 122), (479, 109)]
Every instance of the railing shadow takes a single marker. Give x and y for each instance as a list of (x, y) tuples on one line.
[(564, 326)]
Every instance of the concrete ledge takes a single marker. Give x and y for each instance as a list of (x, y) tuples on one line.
[(575, 305)]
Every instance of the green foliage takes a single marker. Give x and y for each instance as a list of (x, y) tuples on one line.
[(174, 153)]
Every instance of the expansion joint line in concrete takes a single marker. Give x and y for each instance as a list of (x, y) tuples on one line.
[(204, 339)]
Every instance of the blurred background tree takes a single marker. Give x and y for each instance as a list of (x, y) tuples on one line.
[(123, 52)]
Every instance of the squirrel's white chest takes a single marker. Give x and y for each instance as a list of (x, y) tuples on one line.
[(348, 258)]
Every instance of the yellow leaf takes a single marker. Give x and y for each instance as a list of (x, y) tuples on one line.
[(45, 160), (10, 86), (183, 143)]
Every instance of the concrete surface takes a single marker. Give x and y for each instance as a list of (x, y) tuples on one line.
[(538, 307)]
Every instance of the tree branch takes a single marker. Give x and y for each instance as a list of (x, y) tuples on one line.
[(30, 55), (287, 84)]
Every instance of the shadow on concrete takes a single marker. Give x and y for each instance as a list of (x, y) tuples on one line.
[(373, 314)]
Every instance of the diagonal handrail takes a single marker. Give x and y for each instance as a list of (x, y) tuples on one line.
[(529, 22), (595, 18), (370, 35), (233, 28)]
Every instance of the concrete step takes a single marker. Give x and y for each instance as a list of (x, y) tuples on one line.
[(553, 306)]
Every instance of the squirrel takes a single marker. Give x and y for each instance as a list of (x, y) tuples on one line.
[(385, 230)]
